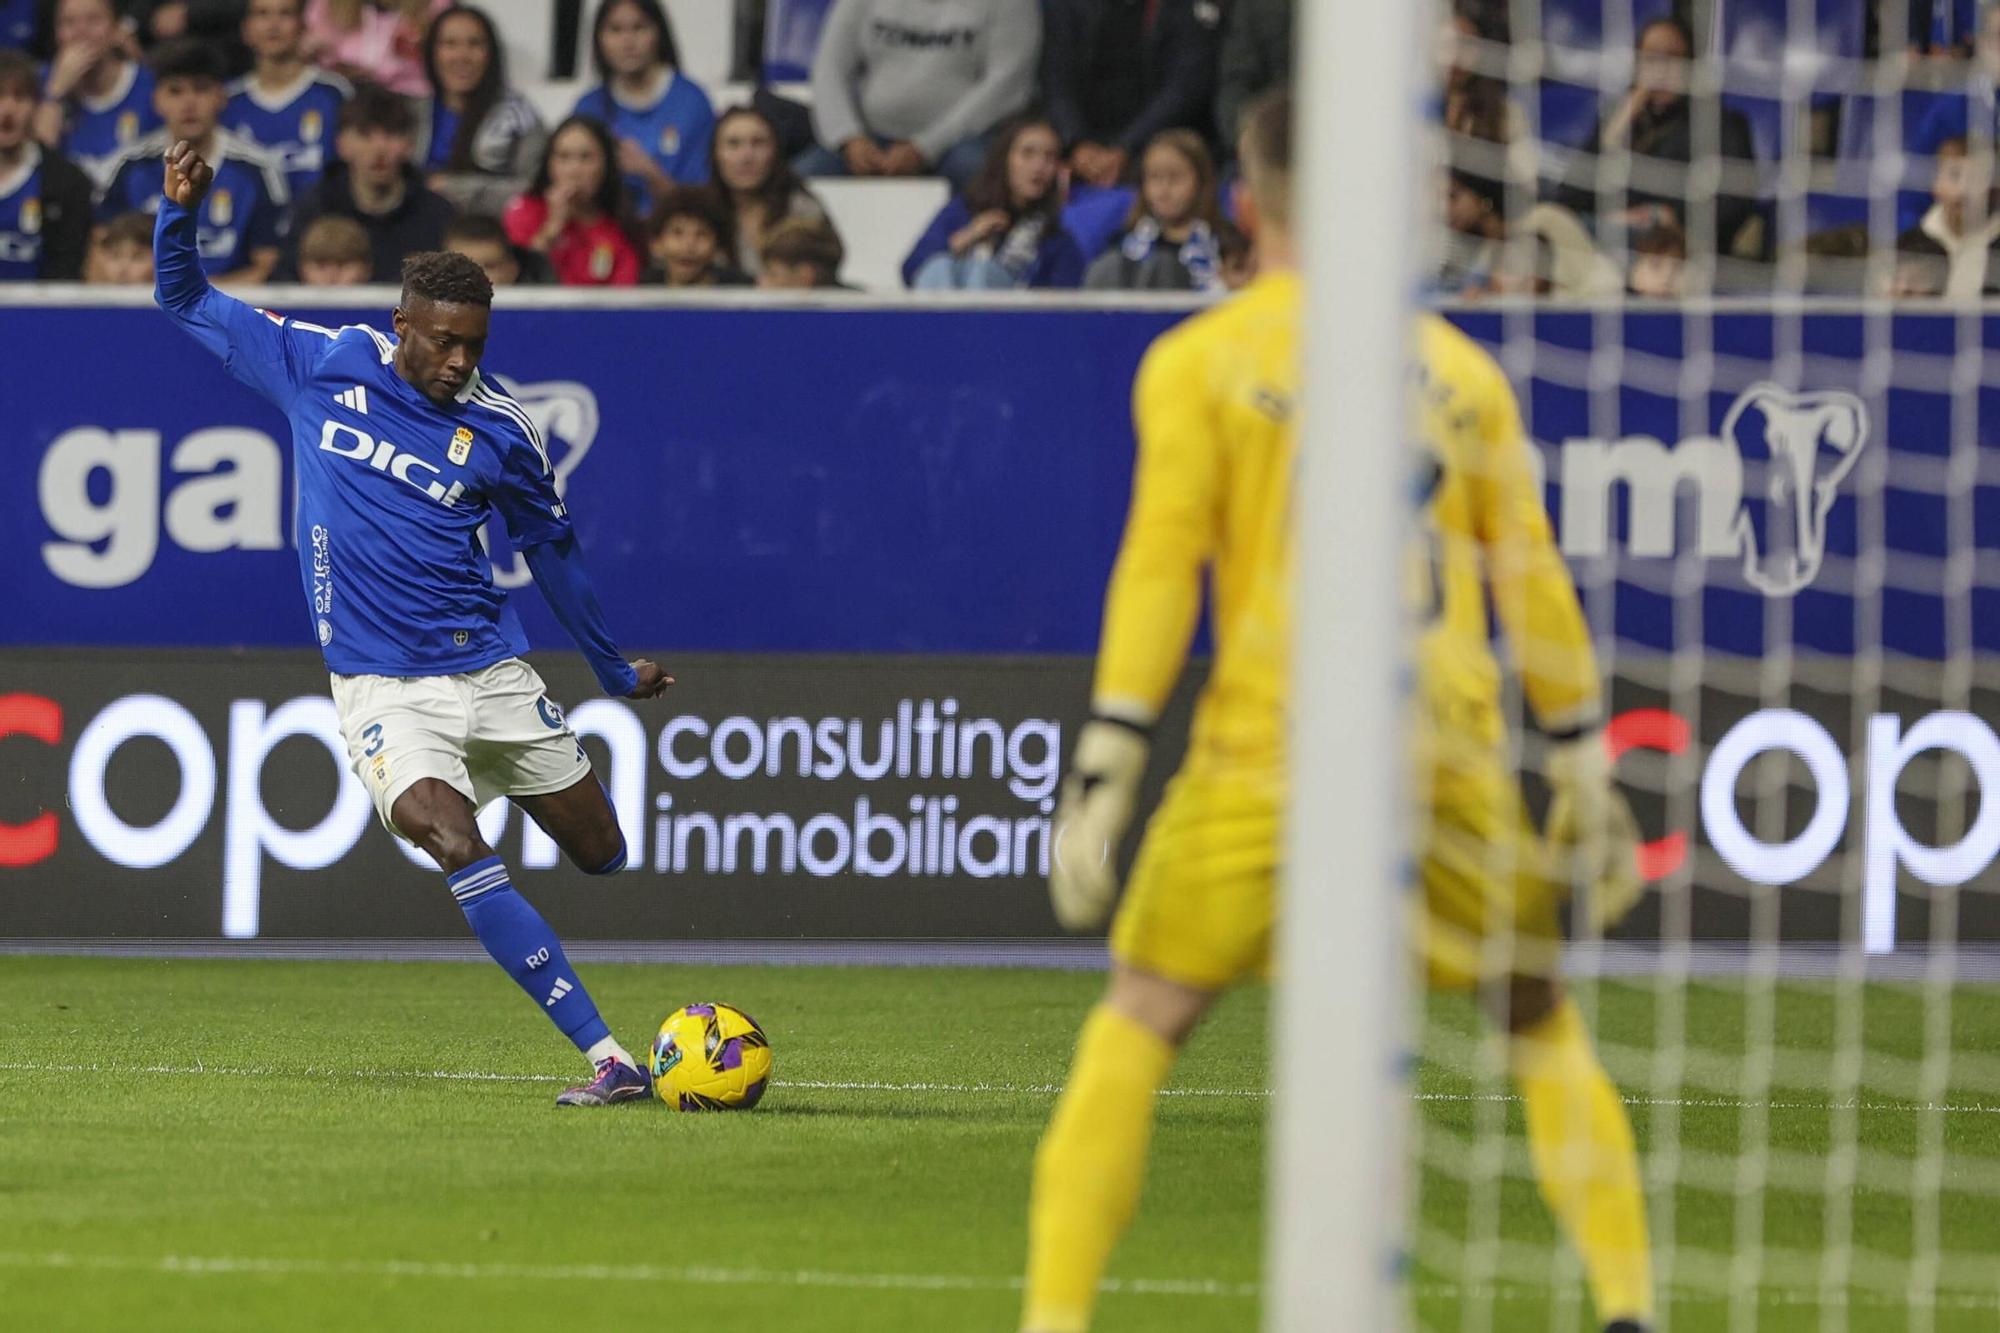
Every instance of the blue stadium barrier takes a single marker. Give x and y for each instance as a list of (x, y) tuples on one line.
[(893, 479)]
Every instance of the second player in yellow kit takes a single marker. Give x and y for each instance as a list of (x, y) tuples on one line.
[(1211, 511)]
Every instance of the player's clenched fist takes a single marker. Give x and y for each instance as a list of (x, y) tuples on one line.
[(1098, 797), (653, 682), (188, 177)]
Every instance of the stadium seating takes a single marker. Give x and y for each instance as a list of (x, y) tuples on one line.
[(878, 222)]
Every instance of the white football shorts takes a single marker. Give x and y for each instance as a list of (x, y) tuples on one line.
[(486, 734)]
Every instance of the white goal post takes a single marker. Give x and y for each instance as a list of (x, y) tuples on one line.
[(1336, 1212)]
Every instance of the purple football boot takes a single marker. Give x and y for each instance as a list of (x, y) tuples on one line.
[(616, 1081)]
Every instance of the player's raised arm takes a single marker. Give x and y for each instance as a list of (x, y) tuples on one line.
[(270, 353)]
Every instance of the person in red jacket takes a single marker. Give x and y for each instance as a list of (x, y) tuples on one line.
[(576, 212)]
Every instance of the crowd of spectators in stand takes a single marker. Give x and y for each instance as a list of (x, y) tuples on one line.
[(1086, 143), (1080, 140)]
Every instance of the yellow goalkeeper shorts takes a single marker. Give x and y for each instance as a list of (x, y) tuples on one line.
[(1489, 905), (1202, 899), (1199, 907)]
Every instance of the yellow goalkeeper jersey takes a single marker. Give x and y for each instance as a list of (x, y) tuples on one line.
[(1215, 409)]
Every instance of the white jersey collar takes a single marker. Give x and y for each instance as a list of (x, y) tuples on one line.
[(662, 82), (118, 92), (16, 178), (285, 96)]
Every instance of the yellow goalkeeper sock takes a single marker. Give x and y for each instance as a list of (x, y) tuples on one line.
[(1090, 1166), (1581, 1143)]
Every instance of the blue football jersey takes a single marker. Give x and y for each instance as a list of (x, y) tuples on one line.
[(245, 208), (675, 129), (21, 219), (392, 488), (296, 124), (444, 129), (101, 129)]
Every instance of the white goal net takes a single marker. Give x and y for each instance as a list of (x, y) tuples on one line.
[(1736, 258)]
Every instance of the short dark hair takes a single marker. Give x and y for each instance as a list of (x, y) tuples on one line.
[(699, 202), (18, 72), (476, 227), (132, 228), (1664, 238), (374, 107), (187, 58), (806, 241), (1267, 151), (335, 238), (447, 277)]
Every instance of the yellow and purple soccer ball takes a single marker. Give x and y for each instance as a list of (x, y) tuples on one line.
[(711, 1057)]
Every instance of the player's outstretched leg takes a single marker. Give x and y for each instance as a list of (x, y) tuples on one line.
[(440, 820), (1092, 1158), (1581, 1143)]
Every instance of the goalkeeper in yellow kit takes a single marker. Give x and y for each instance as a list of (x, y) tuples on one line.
[(1214, 406)]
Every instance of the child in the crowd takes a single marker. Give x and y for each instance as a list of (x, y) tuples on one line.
[(687, 230), (1006, 230), (478, 139), (1169, 242), (661, 119), (44, 198), (1237, 258), (379, 41), (800, 254), (98, 100), (335, 252), (242, 216), (575, 212), (754, 184), (121, 253), (290, 107), (1923, 267), (375, 182), (481, 238), (1659, 263)]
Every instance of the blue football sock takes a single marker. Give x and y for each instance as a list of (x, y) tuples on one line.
[(522, 943)]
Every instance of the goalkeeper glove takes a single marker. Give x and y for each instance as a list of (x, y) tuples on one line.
[(1098, 797), (1592, 834)]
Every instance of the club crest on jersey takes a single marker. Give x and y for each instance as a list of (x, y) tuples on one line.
[(670, 140), (310, 127), (220, 207), (31, 216), (461, 447), (128, 126)]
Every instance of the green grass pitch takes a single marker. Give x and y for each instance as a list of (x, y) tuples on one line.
[(221, 1145)]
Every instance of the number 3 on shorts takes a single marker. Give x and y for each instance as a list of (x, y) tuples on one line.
[(372, 733)]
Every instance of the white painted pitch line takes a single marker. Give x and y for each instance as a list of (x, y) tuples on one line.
[(181, 1265), (1800, 1297), (976, 1089)]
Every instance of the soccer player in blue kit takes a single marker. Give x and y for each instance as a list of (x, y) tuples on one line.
[(402, 450)]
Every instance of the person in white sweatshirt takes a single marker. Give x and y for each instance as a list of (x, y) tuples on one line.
[(1963, 219), (913, 87)]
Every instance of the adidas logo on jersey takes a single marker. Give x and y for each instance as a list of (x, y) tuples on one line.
[(562, 988), (355, 398)]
